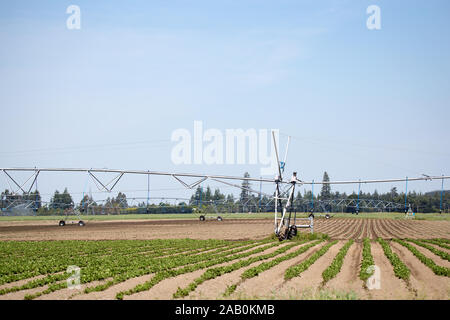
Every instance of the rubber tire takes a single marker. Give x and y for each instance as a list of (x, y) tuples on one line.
[(202, 218), (280, 237), (62, 223), (292, 231), (311, 215), (219, 218), (81, 223), (327, 216)]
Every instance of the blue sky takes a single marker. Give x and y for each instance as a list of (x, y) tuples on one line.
[(360, 103)]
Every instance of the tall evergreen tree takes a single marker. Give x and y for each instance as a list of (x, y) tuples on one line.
[(326, 188), (244, 197)]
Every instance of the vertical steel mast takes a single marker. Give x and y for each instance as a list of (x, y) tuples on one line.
[(284, 229)]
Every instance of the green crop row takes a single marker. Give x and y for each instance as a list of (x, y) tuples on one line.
[(218, 271), (158, 277), (442, 254), (99, 268), (438, 270), (93, 262), (295, 270), (400, 269), (437, 242), (18, 269), (93, 273), (367, 261), (35, 283), (335, 267), (255, 271), (145, 268), (443, 240), (230, 289)]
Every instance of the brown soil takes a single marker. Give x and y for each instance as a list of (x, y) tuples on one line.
[(311, 279), (422, 279), (423, 283), (110, 293), (427, 253), (166, 288), (230, 229), (391, 287), (214, 288), (267, 283), (348, 278)]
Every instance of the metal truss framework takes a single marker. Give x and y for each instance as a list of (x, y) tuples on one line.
[(324, 205), (283, 199)]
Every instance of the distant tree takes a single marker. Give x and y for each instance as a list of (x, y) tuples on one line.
[(208, 194), (218, 196), (394, 192), (61, 200), (298, 200), (244, 197), (86, 202), (197, 196), (326, 188), (121, 200), (375, 195)]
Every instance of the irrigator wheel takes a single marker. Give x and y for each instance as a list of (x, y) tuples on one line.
[(292, 232), (62, 223), (202, 218)]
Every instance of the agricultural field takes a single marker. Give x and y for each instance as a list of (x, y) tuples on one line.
[(311, 266), (228, 229), (237, 258), (262, 215)]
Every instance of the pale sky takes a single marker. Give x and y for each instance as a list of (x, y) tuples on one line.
[(359, 103)]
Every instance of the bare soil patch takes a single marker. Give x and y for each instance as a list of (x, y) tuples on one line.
[(229, 229)]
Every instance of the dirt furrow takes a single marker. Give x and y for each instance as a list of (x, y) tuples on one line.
[(422, 279), (309, 282), (427, 253), (347, 232), (214, 288), (386, 229), (391, 287), (166, 288), (348, 278), (380, 233), (267, 283)]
